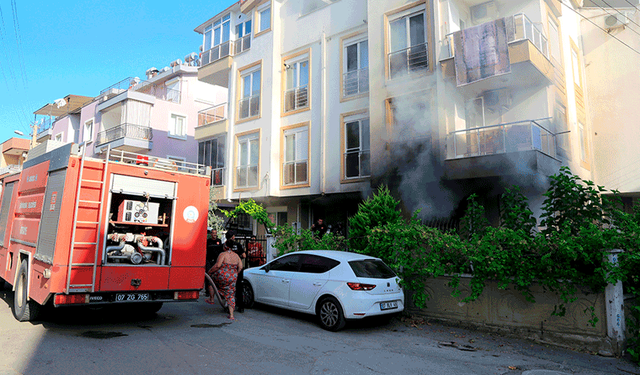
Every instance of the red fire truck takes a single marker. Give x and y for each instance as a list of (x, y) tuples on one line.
[(125, 228)]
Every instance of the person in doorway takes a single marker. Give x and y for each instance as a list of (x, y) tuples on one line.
[(255, 253), (225, 274), (319, 228), (214, 247), (237, 248)]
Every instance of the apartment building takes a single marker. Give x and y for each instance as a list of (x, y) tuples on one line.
[(611, 72), (14, 152), (437, 99), (156, 116)]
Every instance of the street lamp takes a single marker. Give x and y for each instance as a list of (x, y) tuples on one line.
[(18, 132)]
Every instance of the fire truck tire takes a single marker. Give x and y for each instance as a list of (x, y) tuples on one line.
[(147, 308), (23, 308)]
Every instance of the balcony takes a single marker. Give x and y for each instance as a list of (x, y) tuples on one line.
[(518, 148), (212, 121), (157, 89), (528, 56), (45, 129), (12, 168), (126, 137), (215, 63)]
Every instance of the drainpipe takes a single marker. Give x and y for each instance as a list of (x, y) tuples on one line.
[(231, 95), (323, 112)]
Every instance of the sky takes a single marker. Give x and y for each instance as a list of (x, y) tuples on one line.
[(50, 49)]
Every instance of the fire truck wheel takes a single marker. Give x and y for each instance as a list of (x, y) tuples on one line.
[(24, 309), (147, 308)]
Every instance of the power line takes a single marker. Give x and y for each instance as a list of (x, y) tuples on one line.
[(16, 27), (605, 31), (3, 32), (628, 2)]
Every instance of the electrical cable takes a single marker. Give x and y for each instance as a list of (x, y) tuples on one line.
[(619, 12), (628, 2), (605, 31)]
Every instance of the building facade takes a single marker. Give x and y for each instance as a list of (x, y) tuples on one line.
[(436, 99)]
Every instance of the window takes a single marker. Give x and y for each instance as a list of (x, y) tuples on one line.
[(295, 168), (317, 264), (583, 146), (88, 131), (562, 138), (371, 269), (216, 40), (356, 67), (356, 148), (296, 95), (172, 89), (248, 159), (249, 94), (554, 40), (576, 67), (407, 45), (59, 137), (264, 18), (289, 263), (474, 113), (243, 37), (178, 126), (211, 153)]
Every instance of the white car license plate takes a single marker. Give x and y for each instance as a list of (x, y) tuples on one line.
[(388, 305), (130, 297)]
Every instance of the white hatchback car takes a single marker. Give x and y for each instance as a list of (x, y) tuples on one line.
[(334, 285)]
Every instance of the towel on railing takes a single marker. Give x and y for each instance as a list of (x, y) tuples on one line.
[(481, 52)]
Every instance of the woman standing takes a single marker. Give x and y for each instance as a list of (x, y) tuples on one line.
[(224, 274)]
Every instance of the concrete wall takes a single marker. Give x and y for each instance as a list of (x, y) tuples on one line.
[(507, 312)]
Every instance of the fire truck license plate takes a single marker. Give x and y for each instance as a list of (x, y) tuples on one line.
[(127, 297)]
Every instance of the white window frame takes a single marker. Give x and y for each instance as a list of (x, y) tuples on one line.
[(359, 118), (249, 140), (59, 137), (172, 94), (242, 37), (301, 93), (253, 95), (299, 134), (554, 40), (361, 76), (87, 137), (219, 24), (407, 15), (172, 126), (575, 64), (259, 18)]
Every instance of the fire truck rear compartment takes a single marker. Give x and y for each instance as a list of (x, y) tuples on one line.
[(139, 230)]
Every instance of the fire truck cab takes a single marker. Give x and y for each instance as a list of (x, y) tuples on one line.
[(124, 228)]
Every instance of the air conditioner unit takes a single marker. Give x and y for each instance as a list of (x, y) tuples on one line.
[(616, 20), (176, 63), (483, 12)]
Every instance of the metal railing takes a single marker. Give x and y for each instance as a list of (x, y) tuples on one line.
[(45, 125), (296, 98), (11, 168), (249, 106), (357, 159), (247, 176), (145, 161), (160, 91), (217, 176), (356, 82), (523, 29), (125, 131), (213, 114), (216, 53), (121, 86), (408, 60), (242, 44), (502, 138)]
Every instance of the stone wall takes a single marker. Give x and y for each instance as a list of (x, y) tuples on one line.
[(508, 312)]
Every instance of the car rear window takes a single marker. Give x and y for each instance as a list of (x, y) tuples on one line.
[(317, 264), (371, 268)]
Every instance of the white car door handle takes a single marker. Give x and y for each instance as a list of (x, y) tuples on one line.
[(285, 281), (317, 284)]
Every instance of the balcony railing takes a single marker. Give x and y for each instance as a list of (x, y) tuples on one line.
[(357, 164), (216, 53), (123, 85), (295, 172), (139, 132), (46, 124), (250, 106), (523, 29), (500, 139), (356, 82), (11, 168), (146, 161), (212, 114), (408, 60), (242, 44), (296, 98)]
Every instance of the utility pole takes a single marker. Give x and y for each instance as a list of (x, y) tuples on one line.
[(34, 132)]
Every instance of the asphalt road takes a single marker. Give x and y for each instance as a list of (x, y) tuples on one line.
[(196, 338)]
